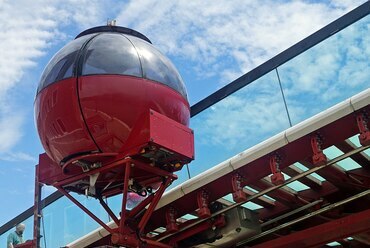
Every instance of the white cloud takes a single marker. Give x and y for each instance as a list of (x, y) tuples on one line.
[(29, 28), (17, 156), (9, 134), (246, 32), (331, 71), (313, 81), (245, 118)]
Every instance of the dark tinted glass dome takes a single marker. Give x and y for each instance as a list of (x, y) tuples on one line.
[(112, 50)]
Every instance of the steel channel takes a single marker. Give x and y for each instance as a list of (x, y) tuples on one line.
[(292, 179), (317, 212), (290, 213)]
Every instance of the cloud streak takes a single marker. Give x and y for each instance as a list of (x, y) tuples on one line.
[(231, 36), (29, 29)]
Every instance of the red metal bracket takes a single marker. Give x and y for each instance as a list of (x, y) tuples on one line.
[(238, 194), (318, 158), (171, 226), (127, 234), (277, 177), (364, 136), (203, 201)]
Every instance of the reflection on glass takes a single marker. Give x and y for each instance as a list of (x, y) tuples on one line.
[(158, 67), (64, 222), (328, 73), (111, 54), (238, 122), (62, 64)]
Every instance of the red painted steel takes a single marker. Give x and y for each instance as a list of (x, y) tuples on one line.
[(295, 151), (364, 136), (318, 158), (28, 244), (203, 202), (171, 226), (59, 121), (238, 194), (111, 173), (277, 176), (115, 106), (324, 233), (102, 113)]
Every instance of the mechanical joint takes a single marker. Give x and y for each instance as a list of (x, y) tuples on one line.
[(277, 177), (238, 194), (364, 136), (171, 226), (318, 158), (203, 201)]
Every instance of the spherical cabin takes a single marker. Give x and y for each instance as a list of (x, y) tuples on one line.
[(94, 91)]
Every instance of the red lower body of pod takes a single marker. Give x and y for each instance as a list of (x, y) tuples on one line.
[(98, 113)]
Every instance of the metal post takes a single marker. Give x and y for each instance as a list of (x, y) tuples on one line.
[(37, 210), (109, 211), (144, 220), (125, 196)]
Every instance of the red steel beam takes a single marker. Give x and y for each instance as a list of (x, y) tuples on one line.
[(361, 175), (281, 195), (257, 169), (324, 233), (268, 213), (335, 175), (262, 201), (326, 189)]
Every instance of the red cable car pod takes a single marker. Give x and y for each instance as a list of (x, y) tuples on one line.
[(96, 91)]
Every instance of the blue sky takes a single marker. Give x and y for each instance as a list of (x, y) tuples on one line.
[(211, 43)]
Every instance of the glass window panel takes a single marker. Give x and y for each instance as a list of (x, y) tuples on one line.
[(64, 222), (252, 206), (251, 189), (328, 73), (318, 177), (304, 168), (270, 198), (356, 142), (249, 205), (158, 67), (62, 64), (349, 164), (238, 122), (296, 185), (301, 166), (334, 244), (255, 191), (111, 54), (346, 164)]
